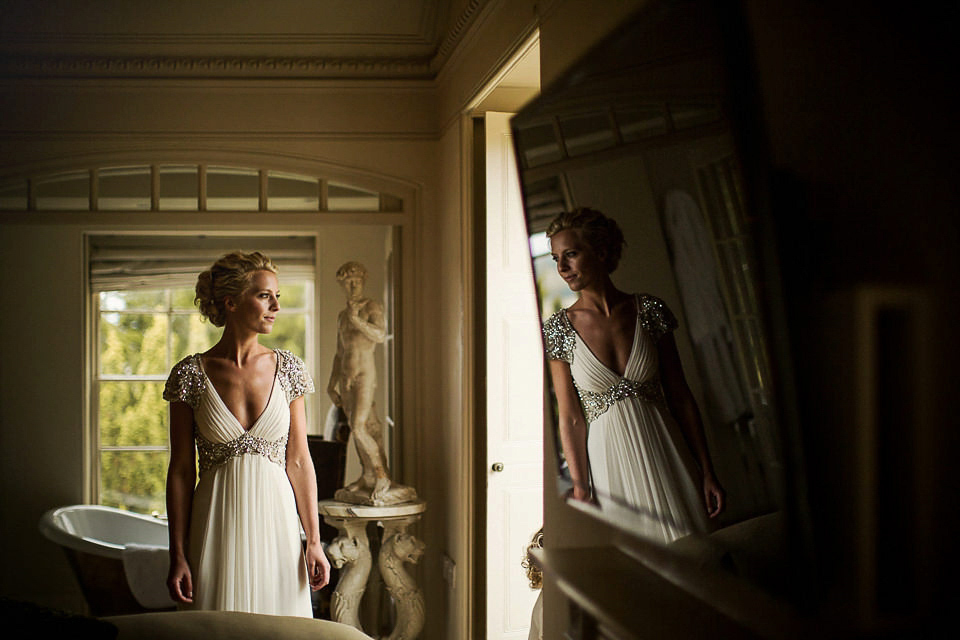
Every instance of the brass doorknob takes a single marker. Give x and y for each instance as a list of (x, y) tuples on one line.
[(497, 466)]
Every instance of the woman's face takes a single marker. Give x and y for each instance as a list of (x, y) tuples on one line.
[(577, 263), (256, 309)]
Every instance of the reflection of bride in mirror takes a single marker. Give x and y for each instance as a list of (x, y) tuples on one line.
[(629, 425)]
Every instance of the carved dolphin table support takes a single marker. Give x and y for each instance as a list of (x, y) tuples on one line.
[(350, 552)]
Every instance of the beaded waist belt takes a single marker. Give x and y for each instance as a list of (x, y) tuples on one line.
[(214, 454), (595, 404)]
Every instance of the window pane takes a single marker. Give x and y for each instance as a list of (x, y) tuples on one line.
[(539, 144), (192, 334), (133, 343), (691, 115), (341, 197), (182, 299), (734, 272), (637, 123), (554, 292), (544, 200), (64, 192), (134, 480), (123, 188), (586, 133), (179, 188), (750, 335), (293, 295), (288, 192), (289, 332), (233, 189), (714, 197), (136, 300), (132, 414), (13, 196)]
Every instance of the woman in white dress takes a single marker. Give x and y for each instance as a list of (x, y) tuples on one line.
[(235, 538), (629, 426)]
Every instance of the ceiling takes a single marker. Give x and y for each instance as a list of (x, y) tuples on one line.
[(238, 38)]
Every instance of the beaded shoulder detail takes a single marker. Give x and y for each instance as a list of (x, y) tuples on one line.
[(186, 382), (655, 316), (293, 375), (559, 337)]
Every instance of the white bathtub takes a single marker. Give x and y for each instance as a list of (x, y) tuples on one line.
[(102, 531), (93, 538)]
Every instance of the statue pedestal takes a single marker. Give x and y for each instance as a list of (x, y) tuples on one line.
[(350, 552)]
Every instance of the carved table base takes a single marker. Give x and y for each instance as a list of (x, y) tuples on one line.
[(350, 552)]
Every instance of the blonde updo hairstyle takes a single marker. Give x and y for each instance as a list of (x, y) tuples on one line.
[(229, 277), (601, 233), (534, 573)]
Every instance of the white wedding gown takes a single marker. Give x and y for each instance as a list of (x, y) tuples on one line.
[(245, 550), (638, 459)]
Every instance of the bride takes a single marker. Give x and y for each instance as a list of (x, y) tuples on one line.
[(629, 427), (235, 539)]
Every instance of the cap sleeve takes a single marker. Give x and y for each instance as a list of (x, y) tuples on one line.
[(186, 382), (559, 337), (293, 375), (656, 317)]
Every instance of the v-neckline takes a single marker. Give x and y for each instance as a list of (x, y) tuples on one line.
[(633, 344), (213, 387)]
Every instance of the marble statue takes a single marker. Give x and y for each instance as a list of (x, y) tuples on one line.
[(353, 381)]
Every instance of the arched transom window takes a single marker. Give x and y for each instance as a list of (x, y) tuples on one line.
[(189, 187)]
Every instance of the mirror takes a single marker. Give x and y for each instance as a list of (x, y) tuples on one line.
[(646, 129)]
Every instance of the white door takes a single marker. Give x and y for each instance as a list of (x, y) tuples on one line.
[(514, 393)]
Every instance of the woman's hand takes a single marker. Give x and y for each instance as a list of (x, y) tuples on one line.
[(582, 494), (318, 567), (713, 495), (180, 582)]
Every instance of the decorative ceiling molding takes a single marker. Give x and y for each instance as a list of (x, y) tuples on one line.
[(40, 41), (456, 31), (213, 67), (384, 51)]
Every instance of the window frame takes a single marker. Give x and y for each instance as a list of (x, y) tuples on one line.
[(94, 376), (400, 200)]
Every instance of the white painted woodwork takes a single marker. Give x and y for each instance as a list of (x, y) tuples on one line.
[(514, 392)]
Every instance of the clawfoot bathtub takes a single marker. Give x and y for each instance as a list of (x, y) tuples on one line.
[(94, 538)]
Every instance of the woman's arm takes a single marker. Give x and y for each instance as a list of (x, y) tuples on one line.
[(181, 478), (303, 479), (573, 429), (684, 408)]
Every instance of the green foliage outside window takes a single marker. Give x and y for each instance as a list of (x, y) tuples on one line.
[(142, 334)]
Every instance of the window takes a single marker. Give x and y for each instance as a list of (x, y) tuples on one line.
[(189, 187), (141, 313), (145, 322), (554, 292)]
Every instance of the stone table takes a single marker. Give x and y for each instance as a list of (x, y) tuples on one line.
[(350, 552)]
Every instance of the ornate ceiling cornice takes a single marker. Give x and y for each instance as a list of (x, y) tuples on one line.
[(240, 55), (212, 67)]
